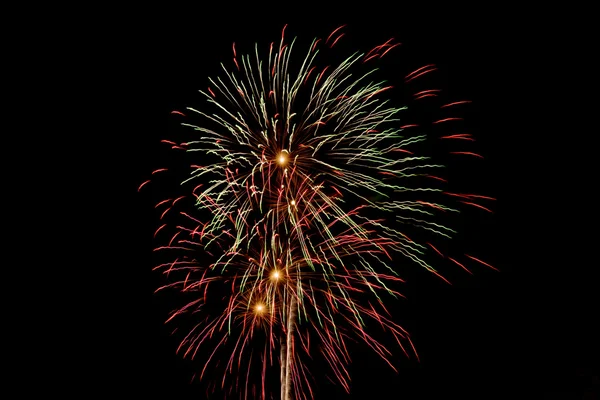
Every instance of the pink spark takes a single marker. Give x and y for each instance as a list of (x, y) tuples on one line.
[(143, 184)]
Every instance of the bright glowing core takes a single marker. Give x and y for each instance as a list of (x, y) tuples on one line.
[(259, 308), (276, 275), (282, 159)]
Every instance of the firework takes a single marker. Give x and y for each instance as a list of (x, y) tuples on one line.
[(304, 183)]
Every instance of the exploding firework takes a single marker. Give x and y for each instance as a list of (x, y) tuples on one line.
[(304, 183)]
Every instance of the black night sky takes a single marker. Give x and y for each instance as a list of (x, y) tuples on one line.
[(527, 331)]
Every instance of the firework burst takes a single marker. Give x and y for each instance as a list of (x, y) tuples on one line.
[(305, 182)]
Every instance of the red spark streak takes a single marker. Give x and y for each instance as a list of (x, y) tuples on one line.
[(439, 276), (455, 103), (143, 184), (484, 263), (156, 232), (334, 32), (460, 265), (162, 202), (308, 74), (315, 44), (378, 91), (429, 91), (321, 74), (369, 58), (424, 96), (390, 48), (468, 196), (336, 40), (463, 136), (376, 48), (436, 177), (164, 213), (447, 120), (469, 153), (404, 151), (436, 250), (477, 205), (177, 199), (419, 72)]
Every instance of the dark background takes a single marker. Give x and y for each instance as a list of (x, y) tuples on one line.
[(527, 331)]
